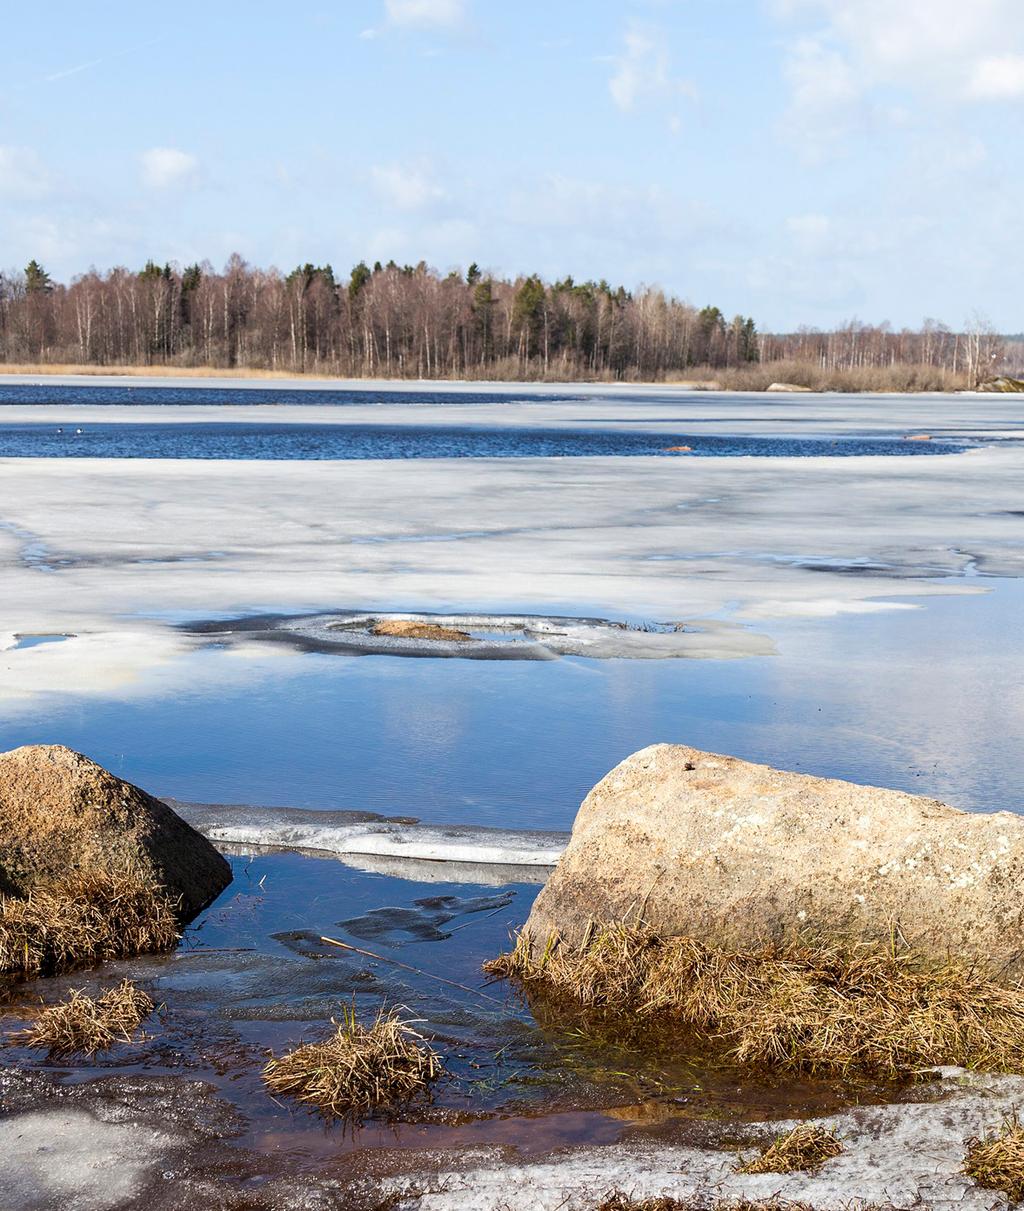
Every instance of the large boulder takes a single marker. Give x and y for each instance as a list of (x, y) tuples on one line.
[(1002, 384), (740, 855), (66, 820)]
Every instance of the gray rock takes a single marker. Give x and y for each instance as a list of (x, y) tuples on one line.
[(738, 854)]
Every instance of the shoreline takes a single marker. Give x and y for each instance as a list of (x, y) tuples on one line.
[(230, 379)]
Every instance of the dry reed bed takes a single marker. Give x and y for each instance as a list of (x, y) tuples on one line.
[(825, 1010), (84, 1024), (803, 1150), (755, 376), (996, 1160), (83, 921), (358, 1068)]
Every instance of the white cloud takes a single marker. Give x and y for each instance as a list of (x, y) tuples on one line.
[(953, 49), (820, 78), (643, 73), (428, 14), (22, 175), (163, 167), (406, 187), (998, 77)]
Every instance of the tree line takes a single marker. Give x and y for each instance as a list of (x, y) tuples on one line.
[(411, 321)]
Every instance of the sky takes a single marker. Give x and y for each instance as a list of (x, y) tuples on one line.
[(801, 161)]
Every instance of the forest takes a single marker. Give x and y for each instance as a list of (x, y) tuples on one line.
[(410, 321)]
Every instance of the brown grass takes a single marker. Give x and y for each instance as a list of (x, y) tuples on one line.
[(806, 1148), (816, 1009), (359, 1068), (408, 628), (84, 921), (996, 1160), (757, 376), (753, 377), (84, 1024)]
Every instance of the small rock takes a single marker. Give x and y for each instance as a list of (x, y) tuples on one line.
[(409, 628)]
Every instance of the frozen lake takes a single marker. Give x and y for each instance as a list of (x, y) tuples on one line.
[(855, 617)]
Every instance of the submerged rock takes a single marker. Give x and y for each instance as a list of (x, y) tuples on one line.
[(91, 866), (738, 855)]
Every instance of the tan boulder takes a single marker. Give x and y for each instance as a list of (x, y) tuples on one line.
[(63, 819), (739, 855)]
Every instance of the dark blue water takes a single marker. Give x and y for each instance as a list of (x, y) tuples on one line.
[(102, 396), (360, 441)]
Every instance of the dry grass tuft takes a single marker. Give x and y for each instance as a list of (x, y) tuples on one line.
[(408, 628), (828, 1010), (806, 1148), (87, 1025), (996, 1161), (84, 921), (359, 1068)]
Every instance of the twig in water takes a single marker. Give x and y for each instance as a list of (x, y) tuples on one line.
[(370, 954)]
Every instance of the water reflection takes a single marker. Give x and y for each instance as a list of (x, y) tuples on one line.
[(928, 700)]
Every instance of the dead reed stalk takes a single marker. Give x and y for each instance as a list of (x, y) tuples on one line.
[(85, 1024), (996, 1160), (806, 1148), (819, 1009), (83, 921), (359, 1068)]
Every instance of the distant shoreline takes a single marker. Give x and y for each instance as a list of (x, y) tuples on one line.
[(242, 378)]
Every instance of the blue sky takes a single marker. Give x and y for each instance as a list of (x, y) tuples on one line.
[(804, 161)]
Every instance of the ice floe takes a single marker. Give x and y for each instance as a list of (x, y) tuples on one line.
[(364, 834), (494, 636)]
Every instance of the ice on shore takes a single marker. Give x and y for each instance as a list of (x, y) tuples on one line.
[(363, 834), (908, 1154)]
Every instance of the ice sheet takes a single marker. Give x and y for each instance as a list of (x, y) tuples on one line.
[(905, 1155), (363, 833), (110, 550)]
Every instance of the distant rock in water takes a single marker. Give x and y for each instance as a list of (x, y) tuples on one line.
[(91, 867), (411, 628), (786, 387), (1002, 383), (740, 855)]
